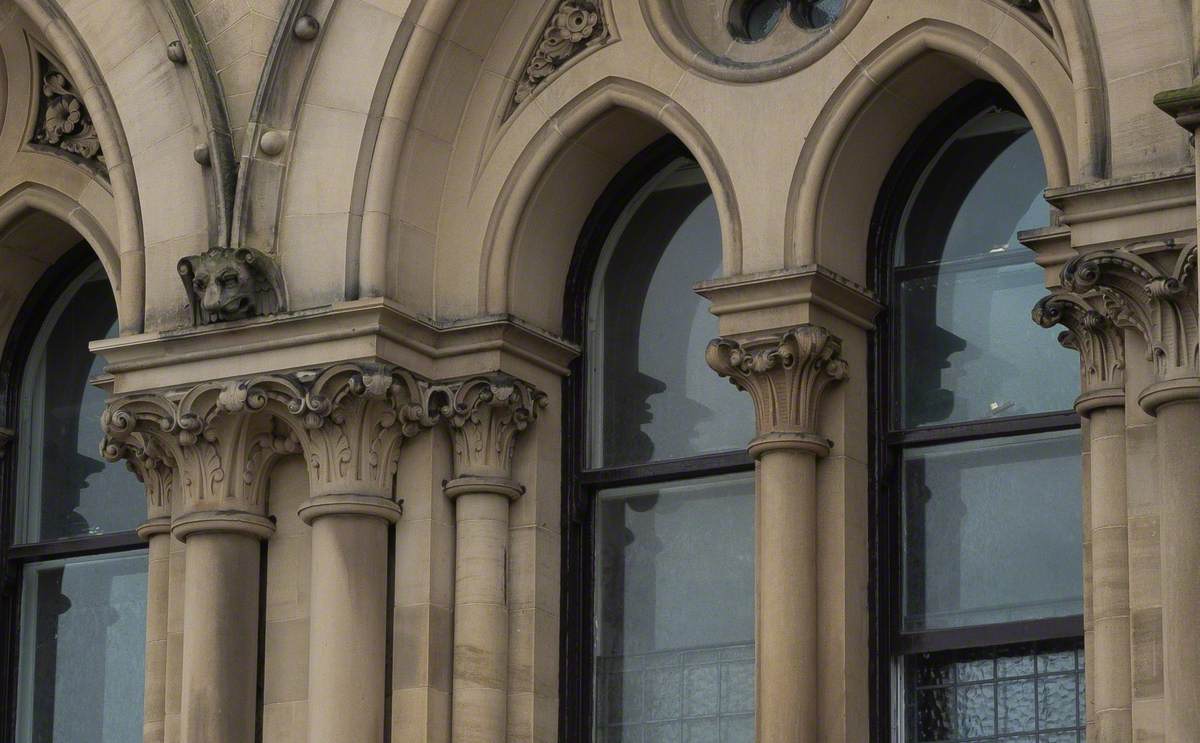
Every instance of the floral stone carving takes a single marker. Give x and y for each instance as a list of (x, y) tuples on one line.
[(231, 284), (63, 121), (575, 25)]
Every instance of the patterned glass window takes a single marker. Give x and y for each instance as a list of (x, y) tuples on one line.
[(659, 605), (1016, 694), (981, 450)]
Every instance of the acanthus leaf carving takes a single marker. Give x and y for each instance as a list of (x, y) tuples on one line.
[(786, 375), (1089, 332), (63, 120), (574, 26), (1153, 293), (354, 421), (485, 414)]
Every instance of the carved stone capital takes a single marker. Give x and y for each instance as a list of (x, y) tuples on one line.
[(786, 375), (219, 440), (484, 415), (1150, 291), (351, 422), (1100, 344)]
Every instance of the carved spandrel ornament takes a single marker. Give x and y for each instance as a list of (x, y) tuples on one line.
[(1150, 291), (574, 26), (225, 284), (1097, 340), (63, 122), (485, 414), (786, 375), (348, 421)]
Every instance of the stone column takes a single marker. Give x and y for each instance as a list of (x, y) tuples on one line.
[(484, 414), (222, 448), (1106, 532), (785, 373), (354, 425), (1153, 292)]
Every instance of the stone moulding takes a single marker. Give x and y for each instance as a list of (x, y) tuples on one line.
[(63, 123), (574, 25)]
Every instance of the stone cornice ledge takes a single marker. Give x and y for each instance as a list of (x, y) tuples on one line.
[(373, 329), (1118, 198), (786, 297)]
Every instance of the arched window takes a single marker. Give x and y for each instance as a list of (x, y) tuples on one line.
[(980, 452), (659, 601), (75, 572)]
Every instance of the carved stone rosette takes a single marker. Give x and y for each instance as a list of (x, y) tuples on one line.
[(1154, 293), (574, 26), (63, 120), (786, 375), (484, 415), (1095, 338), (212, 445)]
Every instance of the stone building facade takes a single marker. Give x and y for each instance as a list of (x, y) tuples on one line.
[(409, 319)]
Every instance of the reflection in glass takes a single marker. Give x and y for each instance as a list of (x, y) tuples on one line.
[(656, 397), (70, 491), (964, 284), (992, 531), (83, 632), (1019, 691), (675, 611)]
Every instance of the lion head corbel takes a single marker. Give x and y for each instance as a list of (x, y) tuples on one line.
[(226, 284)]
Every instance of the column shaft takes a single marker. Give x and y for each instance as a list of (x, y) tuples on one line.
[(480, 684), (158, 582), (348, 628), (1110, 667), (1178, 433), (220, 637), (785, 596)]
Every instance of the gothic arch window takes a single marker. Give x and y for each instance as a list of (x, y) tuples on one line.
[(658, 639), (74, 571), (979, 565)]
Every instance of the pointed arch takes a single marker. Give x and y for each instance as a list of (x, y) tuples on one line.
[(541, 181)]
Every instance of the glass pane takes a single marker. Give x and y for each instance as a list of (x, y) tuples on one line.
[(964, 285), (675, 611), (70, 491), (653, 397), (992, 531), (973, 695), (83, 633), (967, 346)]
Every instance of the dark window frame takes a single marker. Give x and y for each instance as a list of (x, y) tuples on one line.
[(888, 439), (580, 483), (31, 317)]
